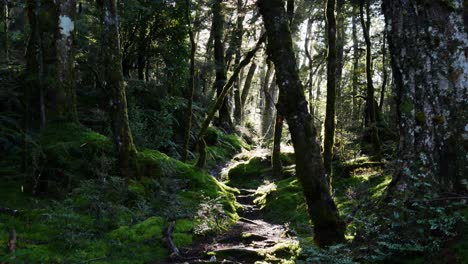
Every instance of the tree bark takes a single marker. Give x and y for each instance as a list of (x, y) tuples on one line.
[(371, 111), (246, 89), (270, 97), (218, 31), (50, 60), (292, 104), (238, 46), (429, 59), (340, 41), (355, 78), (277, 167), (111, 61), (6, 23), (191, 81), (384, 71), (329, 138)]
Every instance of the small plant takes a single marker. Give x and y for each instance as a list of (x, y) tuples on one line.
[(210, 216)]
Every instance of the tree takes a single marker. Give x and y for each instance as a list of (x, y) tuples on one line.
[(111, 61), (201, 145), (356, 56), (330, 125), (371, 105), (50, 60), (292, 104), (427, 44), (191, 81), (218, 33)]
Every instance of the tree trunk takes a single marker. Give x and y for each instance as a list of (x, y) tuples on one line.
[(277, 167), (111, 61), (355, 78), (246, 89), (238, 45), (428, 44), (384, 71), (218, 31), (6, 23), (331, 89), (191, 81), (270, 98), (328, 226), (340, 41), (50, 59), (371, 111)]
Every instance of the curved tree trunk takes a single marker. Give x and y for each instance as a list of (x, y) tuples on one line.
[(292, 104), (111, 59), (428, 44), (329, 139)]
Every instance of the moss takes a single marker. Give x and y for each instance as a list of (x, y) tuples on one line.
[(421, 118), (149, 229), (347, 169), (283, 202), (68, 153), (406, 107), (438, 120), (249, 174)]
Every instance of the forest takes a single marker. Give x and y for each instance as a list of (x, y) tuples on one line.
[(233, 131)]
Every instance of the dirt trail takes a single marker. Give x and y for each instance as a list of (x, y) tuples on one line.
[(250, 239)]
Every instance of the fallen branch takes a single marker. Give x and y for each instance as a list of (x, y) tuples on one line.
[(170, 243)]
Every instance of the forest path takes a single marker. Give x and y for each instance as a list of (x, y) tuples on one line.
[(251, 239)]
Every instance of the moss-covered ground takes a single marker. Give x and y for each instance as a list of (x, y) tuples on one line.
[(94, 216)]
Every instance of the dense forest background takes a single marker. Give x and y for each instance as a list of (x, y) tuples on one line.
[(233, 131)]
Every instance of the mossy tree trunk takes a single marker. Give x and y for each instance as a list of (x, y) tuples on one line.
[(427, 42), (50, 60), (371, 108), (329, 138), (111, 62), (191, 81), (218, 32), (328, 226)]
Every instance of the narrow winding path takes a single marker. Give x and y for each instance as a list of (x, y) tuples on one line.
[(251, 239)]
